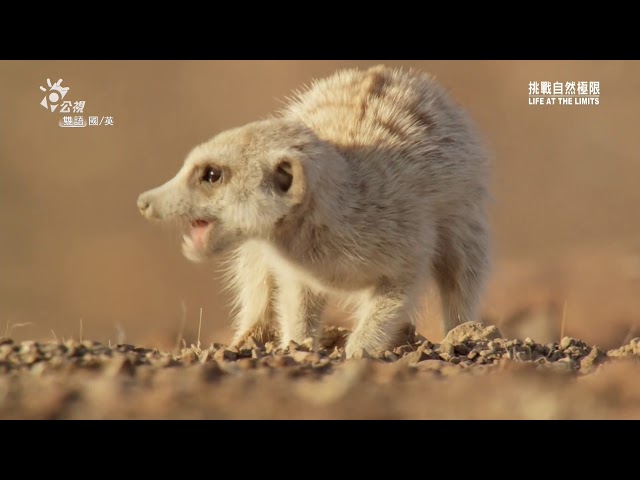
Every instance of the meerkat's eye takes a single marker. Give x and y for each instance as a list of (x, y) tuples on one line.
[(211, 174)]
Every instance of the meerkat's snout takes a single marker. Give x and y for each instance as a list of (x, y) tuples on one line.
[(143, 204), (147, 207), (169, 201), (160, 203)]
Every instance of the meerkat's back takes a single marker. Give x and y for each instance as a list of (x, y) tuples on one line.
[(405, 122)]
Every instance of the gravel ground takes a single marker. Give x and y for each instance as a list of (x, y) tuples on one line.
[(473, 373)]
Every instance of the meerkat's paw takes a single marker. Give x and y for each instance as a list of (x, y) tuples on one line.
[(376, 345), (311, 341), (261, 332), (356, 343)]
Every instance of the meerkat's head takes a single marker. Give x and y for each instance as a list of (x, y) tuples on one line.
[(237, 186)]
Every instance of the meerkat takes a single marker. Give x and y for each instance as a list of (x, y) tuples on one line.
[(366, 185)]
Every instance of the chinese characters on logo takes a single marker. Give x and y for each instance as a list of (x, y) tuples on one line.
[(53, 99), (66, 107), (567, 93)]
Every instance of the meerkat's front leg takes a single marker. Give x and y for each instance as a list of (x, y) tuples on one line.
[(299, 311), (382, 316), (254, 294)]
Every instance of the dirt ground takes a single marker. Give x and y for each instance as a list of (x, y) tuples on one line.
[(79, 262), (473, 373)]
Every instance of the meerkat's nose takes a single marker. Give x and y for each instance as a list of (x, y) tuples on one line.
[(143, 204)]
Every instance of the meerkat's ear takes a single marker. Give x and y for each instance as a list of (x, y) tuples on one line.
[(283, 176), (289, 178)]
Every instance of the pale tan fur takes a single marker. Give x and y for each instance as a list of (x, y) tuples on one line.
[(367, 185)]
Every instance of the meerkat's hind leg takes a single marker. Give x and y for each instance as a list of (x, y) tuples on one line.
[(383, 317), (299, 311), (253, 287), (460, 269)]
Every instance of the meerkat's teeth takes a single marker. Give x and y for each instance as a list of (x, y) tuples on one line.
[(187, 243)]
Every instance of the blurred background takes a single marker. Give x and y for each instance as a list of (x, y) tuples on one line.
[(74, 249)]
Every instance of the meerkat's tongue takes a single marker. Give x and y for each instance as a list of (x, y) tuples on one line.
[(199, 232)]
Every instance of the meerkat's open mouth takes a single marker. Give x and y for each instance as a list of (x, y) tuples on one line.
[(197, 235)]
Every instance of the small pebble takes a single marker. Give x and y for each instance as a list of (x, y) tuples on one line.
[(225, 356), (389, 355), (566, 342)]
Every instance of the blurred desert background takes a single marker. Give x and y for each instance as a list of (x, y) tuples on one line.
[(565, 214)]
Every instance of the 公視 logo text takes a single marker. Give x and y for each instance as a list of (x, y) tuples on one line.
[(564, 93), (54, 100)]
